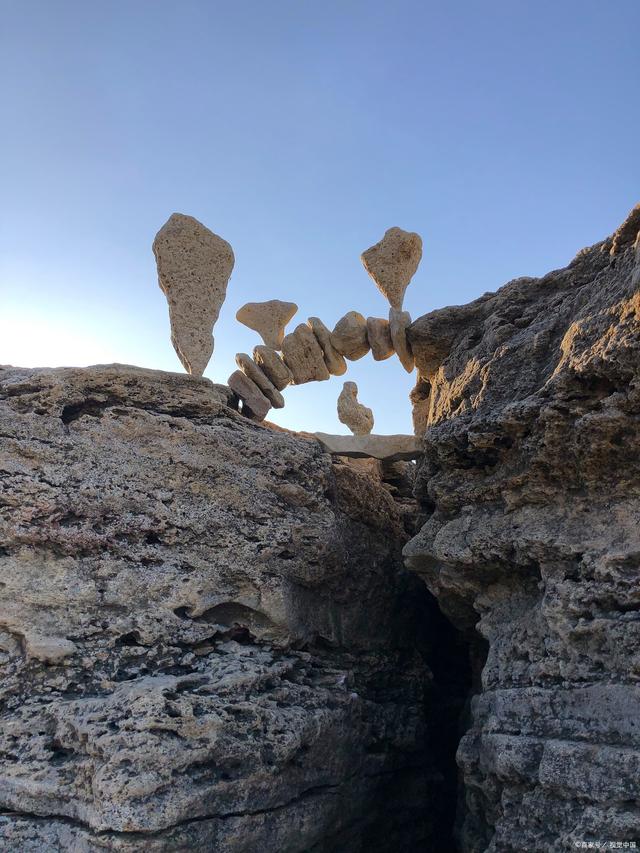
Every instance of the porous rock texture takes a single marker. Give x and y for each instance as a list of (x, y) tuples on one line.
[(205, 637), (529, 400)]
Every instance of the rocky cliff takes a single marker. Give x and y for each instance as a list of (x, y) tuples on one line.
[(529, 405), (206, 638)]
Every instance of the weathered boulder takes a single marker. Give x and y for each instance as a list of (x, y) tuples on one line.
[(349, 336), (205, 639), (392, 262), (194, 267), (353, 414), (530, 482), (303, 356), (269, 319), (336, 365)]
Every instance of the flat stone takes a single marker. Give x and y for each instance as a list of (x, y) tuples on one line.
[(379, 336), (51, 650), (392, 262), (389, 448), (194, 266), (336, 365), (268, 319), (273, 366), (349, 336), (254, 404), (353, 414), (398, 324), (303, 356), (251, 369)]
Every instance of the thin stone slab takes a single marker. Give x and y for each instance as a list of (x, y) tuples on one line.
[(336, 365), (392, 262), (353, 414), (273, 366), (194, 266), (399, 321), (379, 336), (349, 336), (388, 448), (268, 319), (303, 356), (254, 404), (251, 369)]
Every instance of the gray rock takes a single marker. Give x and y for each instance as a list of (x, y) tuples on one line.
[(349, 336), (194, 267), (302, 355), (390, 448), (254, 403), (253, 371)]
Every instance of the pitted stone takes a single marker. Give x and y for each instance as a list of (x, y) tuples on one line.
[(349, 336), (303, 356), (273, 366), (269, 319), (251, 369), (336, 365), (353, 414), (392, 262)]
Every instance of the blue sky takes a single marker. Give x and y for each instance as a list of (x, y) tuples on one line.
[(505, 132)]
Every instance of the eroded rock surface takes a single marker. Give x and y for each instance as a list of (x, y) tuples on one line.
[(205, 641), (392, 262), (530, 403), (352, 413)]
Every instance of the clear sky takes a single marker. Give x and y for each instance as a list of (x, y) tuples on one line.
[(505, 132)]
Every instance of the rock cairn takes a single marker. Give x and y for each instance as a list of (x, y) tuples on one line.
[(194, 267), (353, 414)]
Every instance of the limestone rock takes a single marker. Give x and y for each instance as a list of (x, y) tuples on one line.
[(194, 267), (336, 365), (353, 414), (399, 322), (229, 691), (379, 337), (269, 319), (388, 448), (392, 262), (251, 369), (254, 403), (349, 336), (529, 481), (302, 355), (273, 366)]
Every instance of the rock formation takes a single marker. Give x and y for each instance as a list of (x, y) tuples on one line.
[(273, 366), (254, 372), (206, 638), (336, 365), (392, 262), (349, 336), (269, 319), (530, 485), (194, 267), (303, 356), (399, 322), (255, 404), (353, 414), (379, 337), (388, 448)]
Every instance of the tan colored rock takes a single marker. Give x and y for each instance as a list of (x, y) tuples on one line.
[(349, 336), (392, 262), (379, 337), (398, 323), (336, 365), (251, 369), (268, 319), (194, 266), (254, 404), (272, 366), (302, 355), (353, 414), (389, 448)]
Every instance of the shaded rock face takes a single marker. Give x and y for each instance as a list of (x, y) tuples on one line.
[(206, 637), (528, 402)]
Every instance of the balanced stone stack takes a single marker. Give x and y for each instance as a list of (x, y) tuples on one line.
[(357, 417)]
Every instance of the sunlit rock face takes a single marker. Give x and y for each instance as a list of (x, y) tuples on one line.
[(205, 637), (528, 403)]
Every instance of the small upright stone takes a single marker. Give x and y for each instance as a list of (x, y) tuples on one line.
[(303, 356), (349, 336), (251, 369), (254, 404), (268, 319), (194, 267), (273, 366), (398, 323), (379, 335), (392, 262), (353, 414), (336, 365)]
